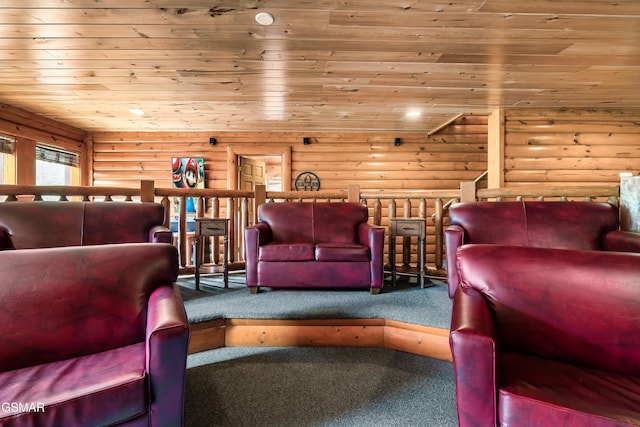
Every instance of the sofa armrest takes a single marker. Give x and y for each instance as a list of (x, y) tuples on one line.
[(167, 341), (160, 234), (473, 345), (254, 236), (454, 238), (622, 241), (373, 237)]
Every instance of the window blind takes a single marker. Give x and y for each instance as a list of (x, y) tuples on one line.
[(7, 144), (55, 155)]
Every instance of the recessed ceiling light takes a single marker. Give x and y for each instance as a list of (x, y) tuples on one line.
[(264, 18), (136, 111), (414, 114)]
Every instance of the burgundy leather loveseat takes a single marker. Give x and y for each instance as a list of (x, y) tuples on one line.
[(314, 245), (546, 337), (562, 225), (44, 224), (92, 336)]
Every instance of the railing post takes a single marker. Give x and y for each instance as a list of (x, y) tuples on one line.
[(354, 193), (215, 213), (259, 198), (232, 214), (377, 212), (167, 211), (438, 218), (182, 231), (200, 207), (205, 248), (468, 191), (147, 190), (244, 223), (422, 208), (422, 214), (406, 240), (392, 215)]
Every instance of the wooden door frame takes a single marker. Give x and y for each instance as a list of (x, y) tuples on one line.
[(233, 152)]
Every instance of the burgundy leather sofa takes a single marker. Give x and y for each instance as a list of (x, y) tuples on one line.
[(314, 245), (562, 225), (546, 337), (44, 224), (92, 336)]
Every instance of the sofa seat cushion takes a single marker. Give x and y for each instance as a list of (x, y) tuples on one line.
[(342, 252), (286, 252), (98, 389), (537, 391)]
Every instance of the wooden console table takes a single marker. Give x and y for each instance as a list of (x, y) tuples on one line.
[(407, 227), (212, 227)]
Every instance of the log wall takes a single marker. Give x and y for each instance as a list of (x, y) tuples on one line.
[(570, 147), (441, 161)]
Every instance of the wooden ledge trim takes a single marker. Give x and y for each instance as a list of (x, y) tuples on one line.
[(422, 340)]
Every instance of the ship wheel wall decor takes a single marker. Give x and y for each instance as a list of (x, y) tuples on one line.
[(307, 181)]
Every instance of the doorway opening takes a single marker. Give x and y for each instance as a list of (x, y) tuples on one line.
[(277, 166), (260, 169)]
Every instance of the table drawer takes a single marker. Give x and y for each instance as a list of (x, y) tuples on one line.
[(211, 228), (409, 228)]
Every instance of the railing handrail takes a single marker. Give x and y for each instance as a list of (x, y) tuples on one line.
[(412, 194), (308, 195), (67, 190), (202, 192), (482, 193), (558, 192)]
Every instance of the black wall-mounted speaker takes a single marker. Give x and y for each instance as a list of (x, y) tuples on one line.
[(396, 142), (212, 141), (306, 141)]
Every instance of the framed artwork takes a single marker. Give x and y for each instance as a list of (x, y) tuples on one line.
[(187, 172)]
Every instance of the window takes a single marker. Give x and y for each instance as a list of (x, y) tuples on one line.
[(55, 166), (7, 160)]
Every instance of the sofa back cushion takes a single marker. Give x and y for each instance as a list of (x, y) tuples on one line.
[(313, 223), (570, 225), (491, 222), (60, 303), (120, 222), (289, 222), (44, 224), (338, 222), (564, 225), (30, 225), (579, 307)]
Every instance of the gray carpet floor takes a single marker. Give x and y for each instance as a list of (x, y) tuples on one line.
[(317, 386), (407, 302)]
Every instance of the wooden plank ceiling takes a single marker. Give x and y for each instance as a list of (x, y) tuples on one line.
[(324, 65)]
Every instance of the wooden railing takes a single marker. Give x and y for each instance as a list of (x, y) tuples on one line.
[(239, 207), (428, 205)]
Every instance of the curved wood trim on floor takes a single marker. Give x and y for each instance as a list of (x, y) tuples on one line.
[(407, 337)]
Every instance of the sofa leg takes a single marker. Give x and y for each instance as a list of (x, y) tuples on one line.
[(253, 290), (375, 291)]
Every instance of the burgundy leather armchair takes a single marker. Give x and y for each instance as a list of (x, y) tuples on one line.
[(546, 337), (92, 336), (562, 225), (314, 245), (31, 225)]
